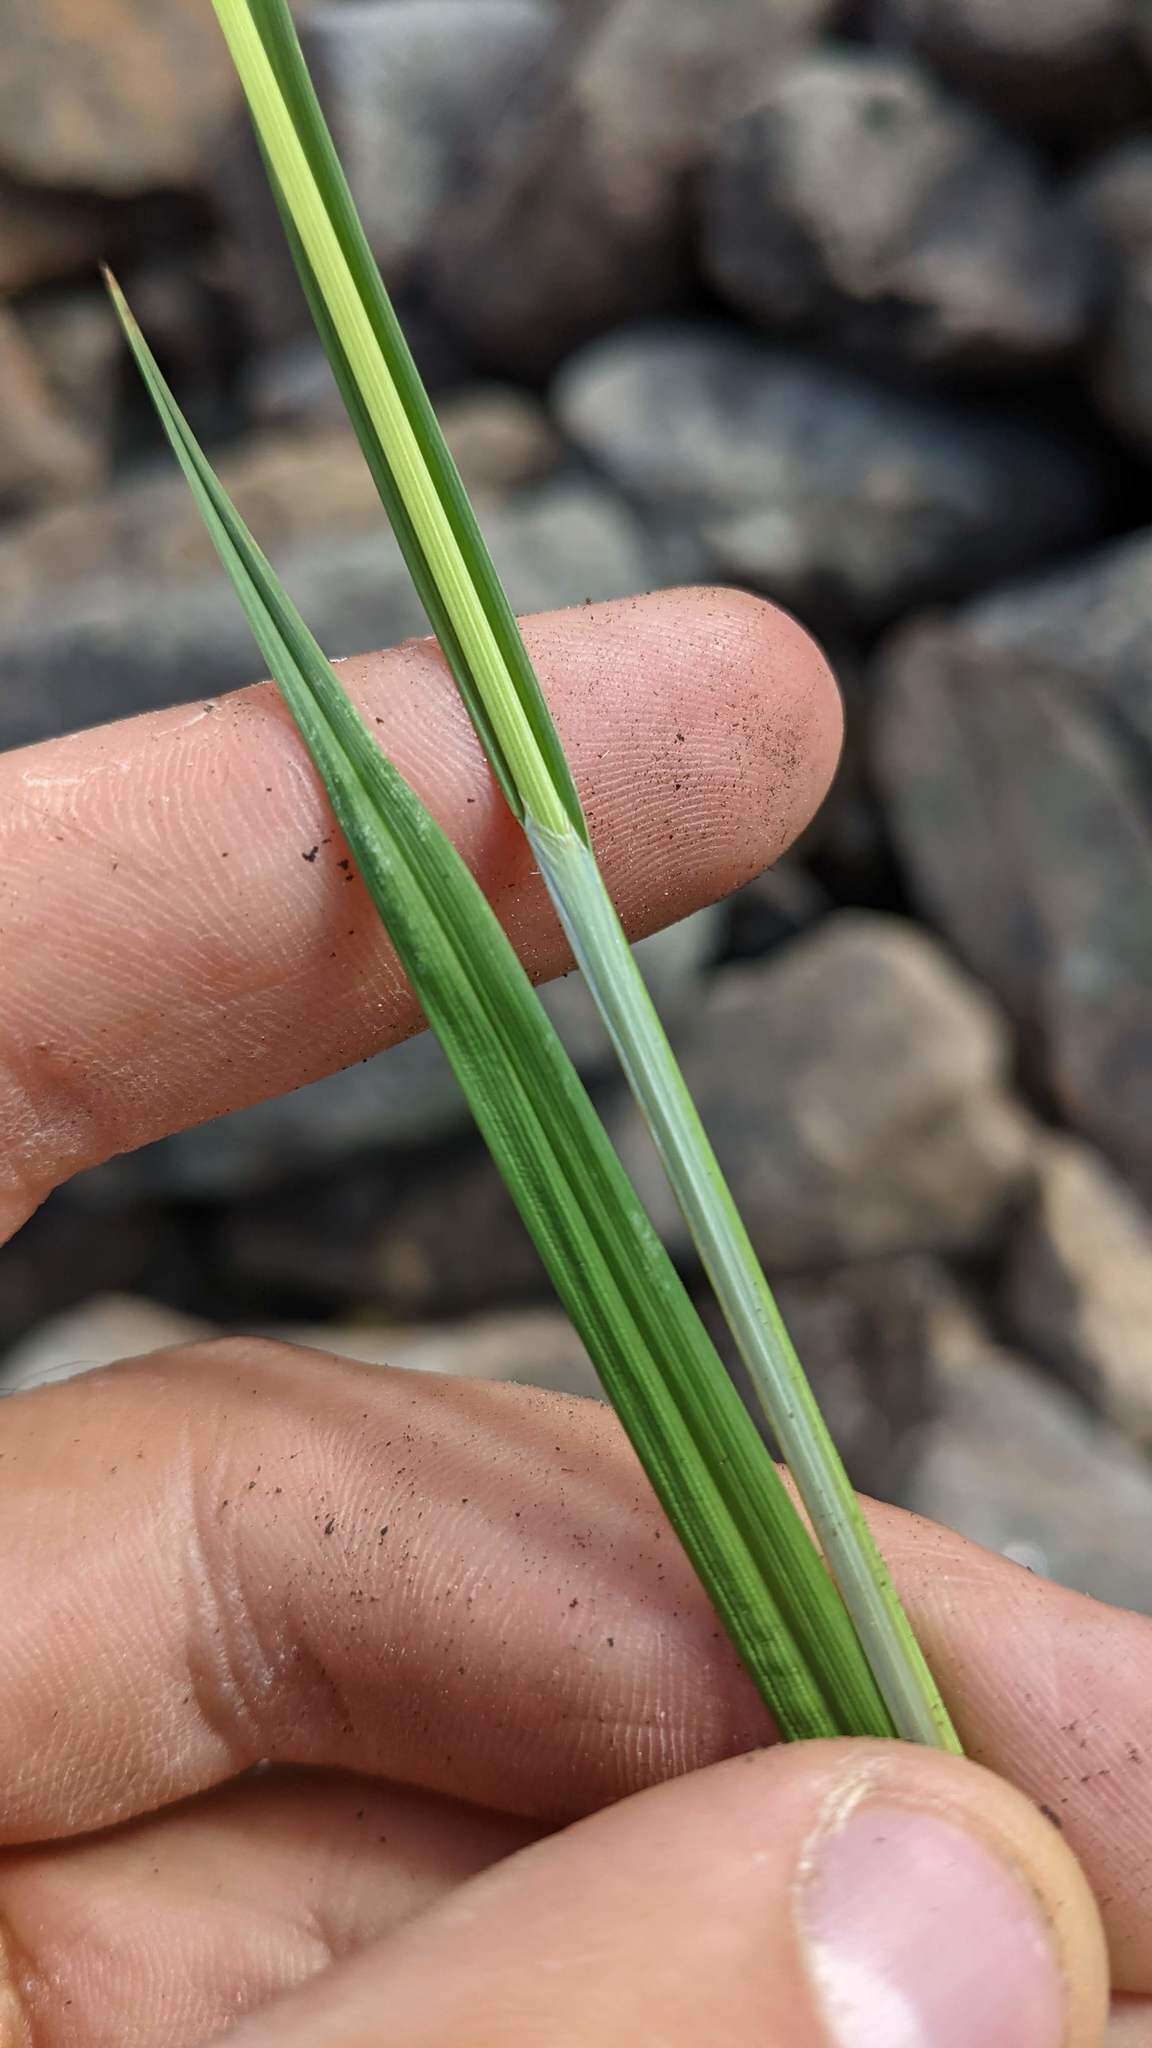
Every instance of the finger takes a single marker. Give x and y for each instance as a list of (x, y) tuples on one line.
[(865, 1896), (166, 1931), (250, 1551), (181, 930)]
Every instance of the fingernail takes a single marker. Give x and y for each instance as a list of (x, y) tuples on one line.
[(917, 1936)]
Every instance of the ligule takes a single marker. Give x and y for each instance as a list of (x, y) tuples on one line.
[(828, 1657)]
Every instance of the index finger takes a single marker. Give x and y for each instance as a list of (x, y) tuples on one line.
[(181, 932)]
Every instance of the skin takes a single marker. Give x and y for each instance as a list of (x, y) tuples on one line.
[(354, 1707)]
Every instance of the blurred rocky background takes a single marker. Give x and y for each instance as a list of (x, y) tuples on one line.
[(850, 304)]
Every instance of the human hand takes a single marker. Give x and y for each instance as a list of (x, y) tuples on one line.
[(446, 1615)]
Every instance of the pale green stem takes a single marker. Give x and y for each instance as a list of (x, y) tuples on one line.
[(605, 958)]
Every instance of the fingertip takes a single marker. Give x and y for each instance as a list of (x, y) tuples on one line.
[(727, 726), (785, 711)]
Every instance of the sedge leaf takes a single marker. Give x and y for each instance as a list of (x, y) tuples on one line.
[(454, 576), (706, 1462)]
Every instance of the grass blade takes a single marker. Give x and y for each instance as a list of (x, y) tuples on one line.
[(466, 606), (706, 1462)]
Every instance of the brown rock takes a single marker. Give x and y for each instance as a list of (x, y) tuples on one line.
[(500, 437), (112, 95), (1079, 1287), (43, 454), (44, 237), (286, 486), (76, 340)]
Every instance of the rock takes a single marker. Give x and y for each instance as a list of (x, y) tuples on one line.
[(1079, 1285), (100, 1331), (861, 202), (1011, 745), (289, 486), (404, 1237), (536, 1347), (1114, 198), (1062, 66), (581, 218), (67, 1252), (103, 646), (112, 100), (194, 331), (500, 438), (404, 1098), (45, 236), (76, 340), (774, 909), (44, 455), (412, 90), (1019, 1465), (531, 1347), (843, 499), (862, 1333), (853, 1086)]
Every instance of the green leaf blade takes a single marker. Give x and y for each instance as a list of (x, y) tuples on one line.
[(707, 1464), (395, 421), (454, 575)]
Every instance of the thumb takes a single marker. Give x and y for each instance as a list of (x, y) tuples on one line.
[(828, 1895)]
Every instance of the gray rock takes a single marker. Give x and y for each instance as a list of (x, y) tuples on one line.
[(1114, 199), (773, 909), (853, 1086), (103, 646), (581, 218), (862, 1333), (860, 201), (1012, 746), (405, 1097), (1063, 66), (1079, 1284), (402, 1237), (841, 498), (1019, 1465), (1113, 196), (412, 90), (66, 1253)]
